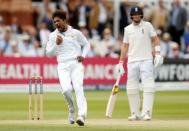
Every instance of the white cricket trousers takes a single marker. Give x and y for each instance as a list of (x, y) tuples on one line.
[(143, 70), (71, 75), (140, 70)]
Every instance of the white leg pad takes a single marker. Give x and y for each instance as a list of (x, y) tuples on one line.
[(148, 95), (132, 87), (133, 97), (148, 85)]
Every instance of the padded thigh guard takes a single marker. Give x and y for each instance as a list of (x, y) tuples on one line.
[(148, 85), (132, 87)]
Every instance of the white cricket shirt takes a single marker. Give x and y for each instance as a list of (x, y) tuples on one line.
[(139, 39), (74, 44)]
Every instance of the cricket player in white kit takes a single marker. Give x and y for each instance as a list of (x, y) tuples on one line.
[(140, 43), (71, 47)]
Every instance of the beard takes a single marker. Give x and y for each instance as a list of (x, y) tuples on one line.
[(137, 21), (61, 28)]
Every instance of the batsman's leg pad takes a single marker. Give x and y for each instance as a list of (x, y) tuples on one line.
[(148, 85), (133, 97), (148, 96), (132, 87)]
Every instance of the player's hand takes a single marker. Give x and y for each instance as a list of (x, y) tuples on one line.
[(59, 40), (80, 58), (158, 60), (119, 68)]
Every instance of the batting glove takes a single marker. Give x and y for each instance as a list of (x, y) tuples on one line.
[(158, 60), (119, 68)]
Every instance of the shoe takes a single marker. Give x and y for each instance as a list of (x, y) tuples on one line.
[(133, 117), (146, 116), (71, 117), (80, 121)]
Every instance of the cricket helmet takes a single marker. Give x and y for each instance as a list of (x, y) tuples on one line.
[(136, 10)]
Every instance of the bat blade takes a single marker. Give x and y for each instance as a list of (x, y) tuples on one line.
[(111, 101)]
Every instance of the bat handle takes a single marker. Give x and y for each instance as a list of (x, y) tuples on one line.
[(118, 79)]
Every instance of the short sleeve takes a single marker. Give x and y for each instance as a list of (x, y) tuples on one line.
[(152, 31), (81, 38)]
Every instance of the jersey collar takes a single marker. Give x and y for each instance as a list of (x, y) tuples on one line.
[(63, 33), (140, 24)]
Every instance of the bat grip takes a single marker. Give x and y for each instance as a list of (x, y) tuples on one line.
[(118, 79)]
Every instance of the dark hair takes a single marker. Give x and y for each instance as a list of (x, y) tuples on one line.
[(59, 13)]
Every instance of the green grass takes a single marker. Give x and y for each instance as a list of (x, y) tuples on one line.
[(169, 106)]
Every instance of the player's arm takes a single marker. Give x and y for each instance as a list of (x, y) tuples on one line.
[(156, 45), (86, 46), (51, 46), (124, 50), (155, 40), (158, 60), (119, 67), (125, 46)]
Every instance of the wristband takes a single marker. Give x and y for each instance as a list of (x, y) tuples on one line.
[(157, 48), (121, 62)]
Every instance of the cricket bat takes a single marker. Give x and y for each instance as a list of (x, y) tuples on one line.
[(112, 98)]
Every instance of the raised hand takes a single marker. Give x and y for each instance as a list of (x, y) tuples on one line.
[(80, 58), (59, 40)]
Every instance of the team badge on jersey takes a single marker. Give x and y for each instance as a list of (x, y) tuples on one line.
[(71, 36)]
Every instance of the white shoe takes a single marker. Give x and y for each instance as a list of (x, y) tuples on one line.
[(80, 121), (71, 117), (133, 117), (146, 116)]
